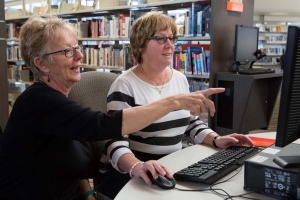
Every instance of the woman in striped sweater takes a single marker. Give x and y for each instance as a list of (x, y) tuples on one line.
[(152, 40)]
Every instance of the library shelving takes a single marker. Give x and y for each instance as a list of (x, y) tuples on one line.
[(89, 21), (221, 28), (272, 41)]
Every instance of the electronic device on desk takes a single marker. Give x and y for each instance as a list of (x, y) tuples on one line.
[(216, 166), (275, 171), (252, 71), (246, 51)]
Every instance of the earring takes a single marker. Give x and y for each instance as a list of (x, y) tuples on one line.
[(48, 79)]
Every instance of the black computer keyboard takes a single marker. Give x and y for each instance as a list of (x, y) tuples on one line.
[(214, 167), (256, 71)]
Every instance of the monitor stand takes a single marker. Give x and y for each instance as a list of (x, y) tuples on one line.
[(260, 56), (292, 161)]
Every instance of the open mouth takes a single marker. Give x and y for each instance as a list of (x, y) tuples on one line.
[(74, 68)]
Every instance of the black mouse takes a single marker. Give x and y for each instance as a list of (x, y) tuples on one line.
[(162, 181)]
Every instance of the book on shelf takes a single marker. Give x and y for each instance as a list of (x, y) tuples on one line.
[(134, 15), (128, 59), (82, 27), (179, 19), (13, 30), (196, 20), (199, 23), (124, 25), (192, 53), (187, 23), (198, 63), (204, 46), (205, 25), (193, 18), (94, 23), (207, 59)]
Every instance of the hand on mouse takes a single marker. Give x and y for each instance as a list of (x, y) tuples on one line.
[(154, 167)]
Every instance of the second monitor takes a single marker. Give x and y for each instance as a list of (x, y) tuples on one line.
[(246, 51)]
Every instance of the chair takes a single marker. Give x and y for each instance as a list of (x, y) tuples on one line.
[(91, 91)]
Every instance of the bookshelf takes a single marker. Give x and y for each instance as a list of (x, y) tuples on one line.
[(221, 34), (97, 16), (272, 41)]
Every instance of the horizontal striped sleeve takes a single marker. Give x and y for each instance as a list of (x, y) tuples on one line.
[(120, 96), (197, 130), (115, 150)]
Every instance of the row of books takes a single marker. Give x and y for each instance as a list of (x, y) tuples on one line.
[(273, 50), (195, 60), (106, 26), (19, 73), (13, 53), (194, 22), (192, 59), (13, 30), (108, 56), (276, 38)]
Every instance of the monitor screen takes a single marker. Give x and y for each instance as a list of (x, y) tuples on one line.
[(288, 128), (246, 43)]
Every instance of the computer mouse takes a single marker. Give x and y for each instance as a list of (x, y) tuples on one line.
[(162, 181)]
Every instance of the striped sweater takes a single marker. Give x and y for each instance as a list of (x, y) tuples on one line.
[(162, 137)]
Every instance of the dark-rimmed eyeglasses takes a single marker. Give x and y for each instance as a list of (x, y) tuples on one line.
[(69, 52), (163, 39)]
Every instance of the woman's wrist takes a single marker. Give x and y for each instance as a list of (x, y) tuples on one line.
[(214, 141), (88, 193), (133, 166)]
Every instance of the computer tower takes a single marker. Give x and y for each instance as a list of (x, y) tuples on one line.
[(264, 176)]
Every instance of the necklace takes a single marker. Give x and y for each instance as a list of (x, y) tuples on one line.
[(159, 90)]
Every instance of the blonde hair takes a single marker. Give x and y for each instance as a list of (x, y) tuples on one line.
[(145, 27), (37, 36)]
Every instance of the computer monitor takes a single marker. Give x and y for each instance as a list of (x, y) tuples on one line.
[(246, 44), (288, 127)]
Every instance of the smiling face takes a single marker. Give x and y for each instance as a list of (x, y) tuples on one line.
[(65, 71), (157, 54)]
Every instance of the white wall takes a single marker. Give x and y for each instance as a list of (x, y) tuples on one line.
[(277, 7)]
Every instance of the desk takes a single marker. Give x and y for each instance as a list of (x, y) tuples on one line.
[(137, 189)]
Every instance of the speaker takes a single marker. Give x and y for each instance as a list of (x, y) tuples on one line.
[(225, 105)]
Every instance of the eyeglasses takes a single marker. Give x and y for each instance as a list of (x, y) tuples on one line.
[(69, 52), (163, 39)]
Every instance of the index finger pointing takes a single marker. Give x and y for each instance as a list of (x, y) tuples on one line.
[(212, 91)]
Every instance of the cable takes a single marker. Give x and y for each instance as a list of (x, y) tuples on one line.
[(214, 190), (231, 67), (202, 190)]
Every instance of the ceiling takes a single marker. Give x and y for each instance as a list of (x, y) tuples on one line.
[(261, 7), (277, 7)]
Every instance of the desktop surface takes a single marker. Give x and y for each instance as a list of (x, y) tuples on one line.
[(138, 189)]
